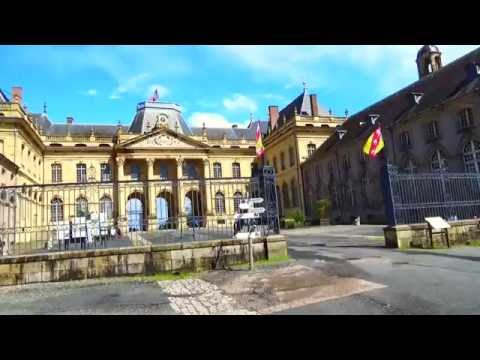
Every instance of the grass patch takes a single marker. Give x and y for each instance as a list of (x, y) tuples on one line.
[(166, 276), (272, 261)]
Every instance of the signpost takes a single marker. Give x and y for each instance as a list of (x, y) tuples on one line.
[(250, 215), (438, 225)]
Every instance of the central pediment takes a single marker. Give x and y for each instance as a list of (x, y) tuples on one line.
[(164, 139)]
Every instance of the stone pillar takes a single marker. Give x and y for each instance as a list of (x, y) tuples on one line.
[(181, 194), (208, 193), (121, 197), (151, 195)]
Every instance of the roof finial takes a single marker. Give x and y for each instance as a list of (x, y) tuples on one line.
[(304, 86), (330, 111), (346, 112), (44, 107)]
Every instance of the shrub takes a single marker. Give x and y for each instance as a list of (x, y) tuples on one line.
[(324, 207), (297, 216)]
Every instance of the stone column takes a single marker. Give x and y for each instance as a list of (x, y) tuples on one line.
[(121, 197), (208, 193), (181, 194), (151, 195)]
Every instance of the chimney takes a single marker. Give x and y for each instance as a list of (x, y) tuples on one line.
[(69, 120), (314, 103), (17, 94), (273, 116)]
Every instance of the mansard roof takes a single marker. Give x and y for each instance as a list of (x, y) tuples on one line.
[(453, 80)]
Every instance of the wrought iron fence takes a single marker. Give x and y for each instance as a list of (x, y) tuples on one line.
[(74, 216), (412, 197)]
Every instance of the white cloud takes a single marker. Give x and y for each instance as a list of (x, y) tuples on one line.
[(90, 92), (162, 90), (210, 120), (240, 102), (132, 84), (393, 65)]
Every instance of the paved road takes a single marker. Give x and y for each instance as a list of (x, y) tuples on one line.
[(337, 270), (417, 281)]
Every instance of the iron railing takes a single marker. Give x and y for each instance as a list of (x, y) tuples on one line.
[(453, 196), (56, 217)]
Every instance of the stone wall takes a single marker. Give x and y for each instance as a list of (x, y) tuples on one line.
[(192, 256), (417, 235)]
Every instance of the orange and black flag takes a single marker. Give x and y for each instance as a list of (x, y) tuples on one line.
[(374, 143)]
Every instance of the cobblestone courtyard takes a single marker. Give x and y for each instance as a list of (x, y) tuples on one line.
[(334, 270)]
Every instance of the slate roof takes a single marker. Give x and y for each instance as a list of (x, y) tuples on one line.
[(3, 97), (232, 133), (449, 82), (303, 106)]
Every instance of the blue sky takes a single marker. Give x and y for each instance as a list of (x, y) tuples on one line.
[(220, 85)]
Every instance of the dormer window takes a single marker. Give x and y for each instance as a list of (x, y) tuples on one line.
[(417, 97), (341, 133), (465, 119), (373, 118)]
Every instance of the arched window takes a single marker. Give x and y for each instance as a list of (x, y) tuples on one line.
[(291, 156), (439, 161), (311, 149), (105, 172), (56, 209), (219, 203), (217, 170), (135, 172), (236, 170), (282, 160), (410, 167), (81, 207), (471, 156), (237, 198), (81, 173), (293, 187), (286, 198), (163, 172), (106, 208)]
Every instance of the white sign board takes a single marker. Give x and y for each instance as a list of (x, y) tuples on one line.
[(244, 206), (437, 223), (258, 210), (256, 200), (246, 216)]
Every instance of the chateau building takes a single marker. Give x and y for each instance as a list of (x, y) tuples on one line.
[(294, 133), (140, 174), (430, 125)]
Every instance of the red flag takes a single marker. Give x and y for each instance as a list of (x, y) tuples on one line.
[(259, 145)]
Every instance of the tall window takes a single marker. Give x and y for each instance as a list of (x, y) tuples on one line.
[(286, 197), (1, 147), (465, 118), (237, 197), (105, 172), (135, 172), (439, 161), (217, 170), (410, 167), (57, 210), (236, 170), (471, 156), (432, 130), (346, 161), (311, 149), (275, 165), (163, 172), (219, 203), (293, 187), (56, 173), (81, 173), (106, 208), (189, 170), (405, 139), (291, 156), (282, 160), (81, 207), (330, 167)]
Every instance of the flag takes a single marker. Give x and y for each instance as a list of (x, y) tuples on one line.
[(374, 143), (259, 146), (155, 96)]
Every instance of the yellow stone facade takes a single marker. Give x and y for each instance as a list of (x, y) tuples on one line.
[(294, 134), (142, 163)]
